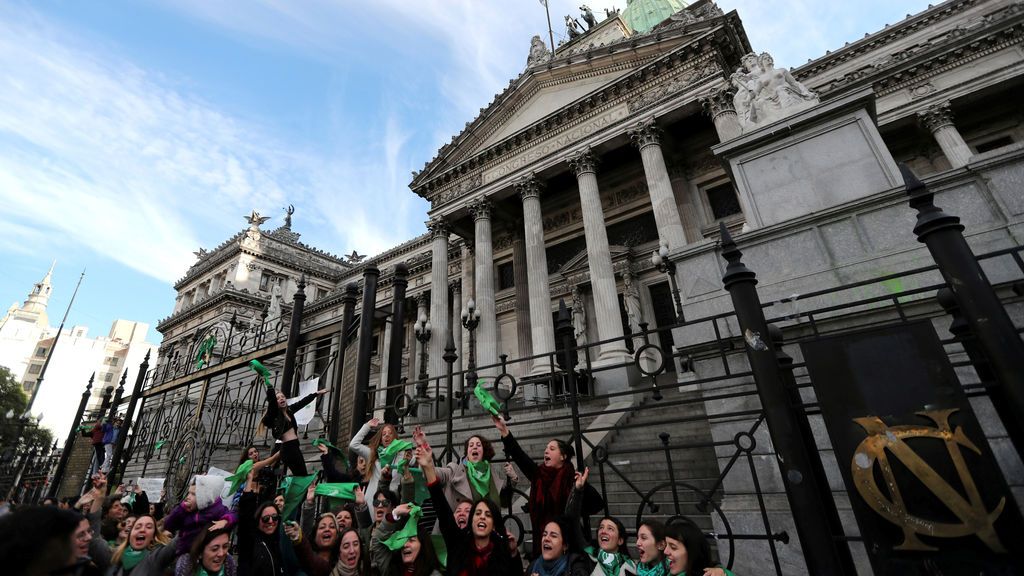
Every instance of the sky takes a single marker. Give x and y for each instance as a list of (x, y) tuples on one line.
[(132, 133)]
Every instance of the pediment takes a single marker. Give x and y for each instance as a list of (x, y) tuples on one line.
[(577, 269)]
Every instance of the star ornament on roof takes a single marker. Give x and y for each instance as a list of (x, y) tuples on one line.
[(355, 257), (255, 220)]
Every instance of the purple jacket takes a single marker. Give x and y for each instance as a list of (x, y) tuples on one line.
[(187, 525)]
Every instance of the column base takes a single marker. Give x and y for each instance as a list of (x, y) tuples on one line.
[(624, 376)]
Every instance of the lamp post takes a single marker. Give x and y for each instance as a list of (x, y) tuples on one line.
[(470, 320), (660, 260), (422, 329)]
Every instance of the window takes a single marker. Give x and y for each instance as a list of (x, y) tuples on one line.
[(722, 200), (41, 351), (110, 360), (28, 386), (268, 280), (34, 368), (993, 144), (506, 276), (108, 377)]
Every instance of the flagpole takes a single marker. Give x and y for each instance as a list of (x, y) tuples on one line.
[(53, 347), (551, 35)]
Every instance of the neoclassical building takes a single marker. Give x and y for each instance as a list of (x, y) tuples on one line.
[(644, 133)]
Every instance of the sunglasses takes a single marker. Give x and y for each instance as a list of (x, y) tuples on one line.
[(382, 502), (270, 518)]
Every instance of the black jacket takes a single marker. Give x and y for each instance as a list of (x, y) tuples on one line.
[(259, 554), (278, 421), (460, 540)]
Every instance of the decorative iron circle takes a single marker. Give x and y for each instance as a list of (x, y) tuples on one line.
[(747, 438), (499, 392), (403, 405), (600, 454), (718, 510), (659, 366), (520, 528)]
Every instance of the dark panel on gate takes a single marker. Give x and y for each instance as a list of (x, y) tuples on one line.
[(897, 415)]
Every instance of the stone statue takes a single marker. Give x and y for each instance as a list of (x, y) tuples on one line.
[(255, 220), (274, 311), (631, 298), (538, 51), (288, 216), (588, 16), (355, 258), (579, 317), (765, 93), (608, 13), (572, 27)]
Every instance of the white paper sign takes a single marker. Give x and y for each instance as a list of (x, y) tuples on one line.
[(306, 387), (152, 488)]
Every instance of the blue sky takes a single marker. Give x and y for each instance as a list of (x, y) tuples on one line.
[(132, 133)]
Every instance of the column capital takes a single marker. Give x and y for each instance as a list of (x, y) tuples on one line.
[(718, 102), (421, 299), (645, 133), (455, 285), (438, 227), (936, 116), (583, 161), (480, 209), (528, 186)]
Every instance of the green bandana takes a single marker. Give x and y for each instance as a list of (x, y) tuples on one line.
[(486, 400), (441, 549), (324, 441), (294, 488), (131, 557), (609, 562), (159, 444), (386, 456), (658, 569), (202, 571), (420, 484), (479, 475), (343, 490), (399, 538), (204, 350), (260, 369), (241, 473)]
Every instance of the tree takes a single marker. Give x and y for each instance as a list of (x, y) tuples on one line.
[(13, 419)]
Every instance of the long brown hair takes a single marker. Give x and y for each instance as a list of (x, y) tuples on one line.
[(262, 426), (363, 566), (371, 462), (159, 538), (195, 553)]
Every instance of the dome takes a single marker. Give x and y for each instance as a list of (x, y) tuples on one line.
[(642, 15)]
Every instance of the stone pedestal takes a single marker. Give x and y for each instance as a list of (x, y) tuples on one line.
[(814, 160)]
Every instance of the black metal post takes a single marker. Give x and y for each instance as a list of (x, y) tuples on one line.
[(58, 476), (423, 331), (976, 353), (985, 314), (666, 266), (470, 320), (399, 283), (369, 306), (819, 548), (117, 470), (564, 330), (117, 396), (348, 301), (105, 402), (294, 331), (785, 362), (449, 359)]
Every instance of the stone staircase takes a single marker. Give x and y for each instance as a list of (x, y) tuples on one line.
[(633, 445)]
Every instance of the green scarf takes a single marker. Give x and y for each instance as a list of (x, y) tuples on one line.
[(610, 563), (337, 493), (479, 475), (386, 456), (422, 493), (486, 400), (204, 349), (131, 557), (202, 571), (319, 441), (399, 538), (658, 569), (241, 473), (294, 488), (262, 370)]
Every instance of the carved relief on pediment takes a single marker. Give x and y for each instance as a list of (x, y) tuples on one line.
[(457, 190), (677, 84)]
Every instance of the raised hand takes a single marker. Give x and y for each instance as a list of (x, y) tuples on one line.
[(714, 572), (401, 510), (510, 473), (311, 492), (218, 525), (581, 478), (419, 436), (374, 422), (321, 392), (513, 546), (500, 424), (293, 531), (360, 496)]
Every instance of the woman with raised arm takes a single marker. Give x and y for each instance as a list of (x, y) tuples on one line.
[(475, 477), (259, 539), (279, 419), (551, 481), (316, 545), (483, 547), (380, 454), (403, 551), (688, 552), (611, 555), (147, 552)]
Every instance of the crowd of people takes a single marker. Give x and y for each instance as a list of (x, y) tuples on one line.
[(396, 512)]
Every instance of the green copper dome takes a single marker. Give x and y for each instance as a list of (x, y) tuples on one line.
[(642, 15)]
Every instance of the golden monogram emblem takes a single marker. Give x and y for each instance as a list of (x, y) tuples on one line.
[(883, 440)]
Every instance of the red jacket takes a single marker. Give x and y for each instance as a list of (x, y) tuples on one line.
[(97, 434)]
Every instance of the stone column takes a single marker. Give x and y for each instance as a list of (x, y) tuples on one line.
[(602, 277), (542, 327), (487, 332), (938, 119), (455, 286), (718, 105), (646, 136), (522, 300), (468, 292), (384, 353), (439, 232)]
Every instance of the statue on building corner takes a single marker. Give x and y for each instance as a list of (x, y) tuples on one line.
[(588, 16), (765, 93), (631, 299), (274, 310), (538, 52), (288, 216), (572, 27), (579, 317)]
